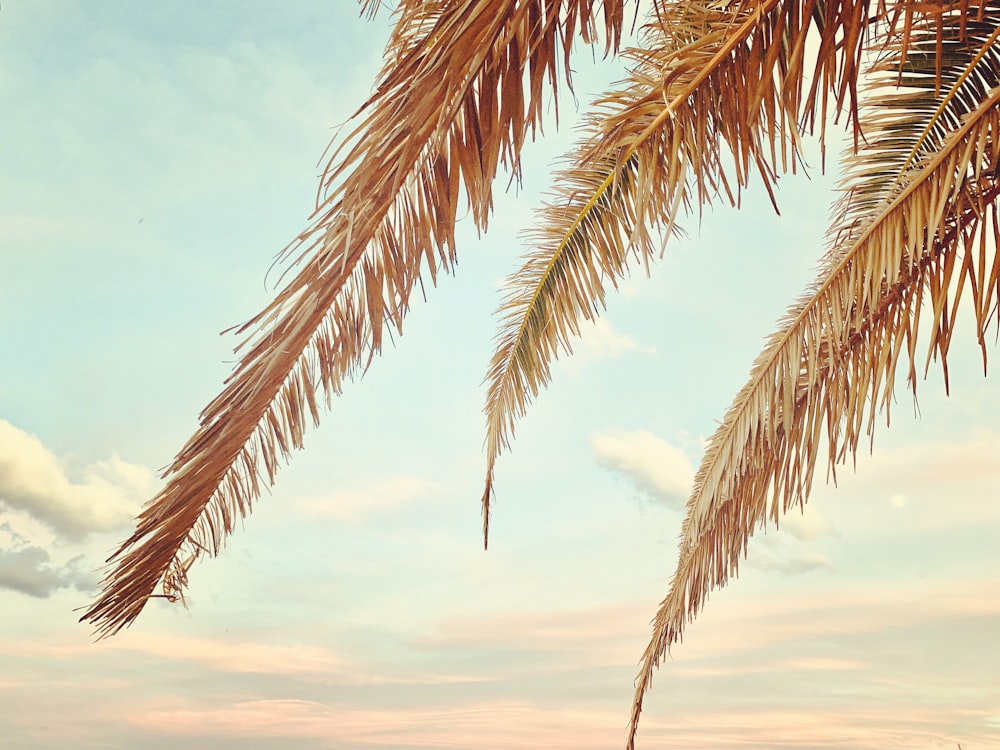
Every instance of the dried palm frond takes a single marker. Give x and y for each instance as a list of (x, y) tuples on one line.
[(461, 90), (717, 94), (914, 236), (371, 7)]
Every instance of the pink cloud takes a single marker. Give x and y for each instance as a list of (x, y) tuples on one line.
[(603, 634), (854, 728), (785, 666), (485, 727), (505, 726), (219, 655), (740, 622)]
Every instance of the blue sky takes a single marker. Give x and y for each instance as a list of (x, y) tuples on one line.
[(152, 163)]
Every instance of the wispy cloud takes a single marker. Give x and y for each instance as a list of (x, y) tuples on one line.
[(600, 342), (740, 623), (655, 466), (789, 550), (486, 726), (377, 498), (928, 467), (792, 562), (831, 727), (802, 664), (240, 656), (807, 524), (581, 630)]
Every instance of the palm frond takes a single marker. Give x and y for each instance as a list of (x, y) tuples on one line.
[(915, 233), (371, 7), (461, 90), (717, 94)]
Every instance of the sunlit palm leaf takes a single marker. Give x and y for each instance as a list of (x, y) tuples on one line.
[(917, 227), (462, 88), (718, 93)]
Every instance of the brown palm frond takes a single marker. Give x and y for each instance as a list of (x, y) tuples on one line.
[(461, 90), (915, 234), (719, 93), (371, 7)]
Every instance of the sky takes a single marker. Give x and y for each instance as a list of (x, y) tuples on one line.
[(153, 160)]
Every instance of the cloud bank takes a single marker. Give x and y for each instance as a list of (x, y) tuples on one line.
[(33, 480)]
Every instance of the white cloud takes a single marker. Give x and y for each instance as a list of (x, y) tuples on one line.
[(930, 466), (654, 465), (33, 480), (806, 525), (381, 497), (600, 342), (787, 550)]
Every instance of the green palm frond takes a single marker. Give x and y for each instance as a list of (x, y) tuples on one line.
[(716, 95), (461, 90), (915, 235)]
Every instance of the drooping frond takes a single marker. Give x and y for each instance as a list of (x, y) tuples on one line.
[(914, 236), (462, 88), (719, 92)]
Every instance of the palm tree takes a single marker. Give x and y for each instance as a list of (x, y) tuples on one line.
[(718, 93)]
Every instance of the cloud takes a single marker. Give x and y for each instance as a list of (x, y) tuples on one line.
[(33, 480), (792, 650), (489, 725), (787, 550), (806, 525), (599, 634), (965, 467), (601, 342), (654, 465), (773, 666), (514, 724), (236, 656), (848, 611), (898, 491), (383, 497), (796, 563), (29, 571)]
